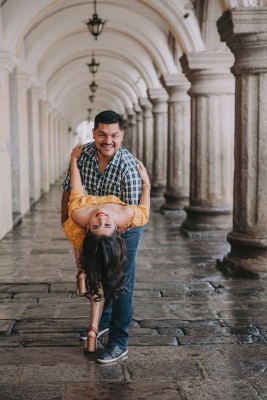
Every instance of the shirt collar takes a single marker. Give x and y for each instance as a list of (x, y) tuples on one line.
[(91, 149), (116, 158)]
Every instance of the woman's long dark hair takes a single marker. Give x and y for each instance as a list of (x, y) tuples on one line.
[(103, 259)]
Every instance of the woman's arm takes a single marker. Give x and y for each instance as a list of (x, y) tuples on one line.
[(75, 177), (145, 196)]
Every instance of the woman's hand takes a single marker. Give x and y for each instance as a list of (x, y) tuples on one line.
[(143, 172), (76, 152)]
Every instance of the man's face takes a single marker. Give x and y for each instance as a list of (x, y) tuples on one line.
[(108, 138)]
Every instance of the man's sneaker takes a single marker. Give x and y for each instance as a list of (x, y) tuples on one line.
[(111, 353), (83, 335)]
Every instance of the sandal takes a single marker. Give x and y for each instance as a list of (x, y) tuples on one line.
[(81, 286), (90, 345)]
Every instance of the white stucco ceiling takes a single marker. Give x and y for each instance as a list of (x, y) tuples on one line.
[(52, 42)]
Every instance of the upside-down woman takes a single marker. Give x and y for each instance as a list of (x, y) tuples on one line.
[(94, 226)]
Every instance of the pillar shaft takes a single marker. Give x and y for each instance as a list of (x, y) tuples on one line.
[(139, 132), (158, 98), (147, 155), (178, 163), (133, 132), (34, 143), (45, 146), (6, 220), (19, 83), (212, 135), (245, 32)]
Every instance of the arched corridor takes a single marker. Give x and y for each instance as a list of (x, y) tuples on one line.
[(189, 78), (174, 71)]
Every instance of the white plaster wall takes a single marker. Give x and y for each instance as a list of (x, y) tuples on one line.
[(5, 161)]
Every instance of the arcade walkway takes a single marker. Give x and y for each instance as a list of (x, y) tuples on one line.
[(195, 334)]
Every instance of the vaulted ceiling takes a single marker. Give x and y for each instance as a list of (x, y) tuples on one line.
[(140, 44)]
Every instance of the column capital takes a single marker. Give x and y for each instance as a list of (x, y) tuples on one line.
[(175, 80), (130, 112), (137, 108), (7, 63), (177, 87), (158, 98), (245, 32), (157, 94), (27, 80), (131, 116), (206, 61), (38, 92), (242, 20), (209, 72), (145, 103)]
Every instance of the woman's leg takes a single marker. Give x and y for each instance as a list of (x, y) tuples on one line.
[(96, 310), (95, 315), (81, 288)]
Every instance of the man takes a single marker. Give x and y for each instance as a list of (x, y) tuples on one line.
[(106, 167)]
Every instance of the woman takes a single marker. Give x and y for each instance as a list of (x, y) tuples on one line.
[(94, 226)]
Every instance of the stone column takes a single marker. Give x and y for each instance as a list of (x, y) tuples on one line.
[(57, 155), (62, 128), (212, 135), (133, 132), (34, 143), (245, 32), (158, 98), (139, 131), (52, 163), (126, 132), (7, 64), (69, 142), (24, 82), (178, 164), (45, 169), (147, 155)]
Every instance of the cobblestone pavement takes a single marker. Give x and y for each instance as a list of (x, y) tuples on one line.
[(195, 334)]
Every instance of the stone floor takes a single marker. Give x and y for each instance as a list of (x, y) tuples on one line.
[(195, 334)]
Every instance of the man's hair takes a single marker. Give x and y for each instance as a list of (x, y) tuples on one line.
[(108, 117), (103, 259)]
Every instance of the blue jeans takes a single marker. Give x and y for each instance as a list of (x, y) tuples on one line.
[(118, 315)]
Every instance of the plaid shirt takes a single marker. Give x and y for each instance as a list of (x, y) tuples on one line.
[(120, 178)]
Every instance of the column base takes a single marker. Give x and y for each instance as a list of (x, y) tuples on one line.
[(207, 221), (17, 219), (247, 258), (174, 202), (157, 191)]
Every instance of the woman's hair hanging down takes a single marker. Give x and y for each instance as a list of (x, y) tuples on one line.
[(103, 259)]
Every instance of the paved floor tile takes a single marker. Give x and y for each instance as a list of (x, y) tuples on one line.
[(195, 333)]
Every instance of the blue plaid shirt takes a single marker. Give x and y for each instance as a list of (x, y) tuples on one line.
[(120, 178)]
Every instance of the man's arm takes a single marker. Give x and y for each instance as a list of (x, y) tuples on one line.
[(64, 206), (75, 177)]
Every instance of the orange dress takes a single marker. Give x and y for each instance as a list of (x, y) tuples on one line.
[(78, 199)]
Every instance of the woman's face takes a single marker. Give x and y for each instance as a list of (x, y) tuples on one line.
[(102, 222)]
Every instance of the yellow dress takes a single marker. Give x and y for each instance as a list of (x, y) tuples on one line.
[(78, 199)]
